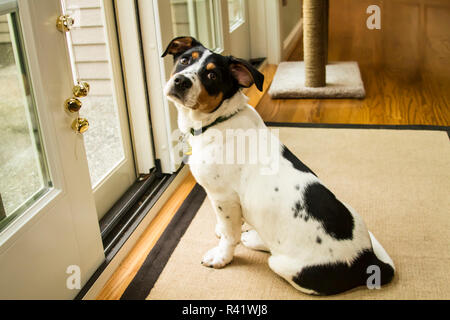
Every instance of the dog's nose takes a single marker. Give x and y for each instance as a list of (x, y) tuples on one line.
[(182, 83)]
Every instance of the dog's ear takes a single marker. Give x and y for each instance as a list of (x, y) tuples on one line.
[(246, 74), (180, 45)]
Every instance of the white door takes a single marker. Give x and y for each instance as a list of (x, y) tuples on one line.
[(239, 29), (49, 232), (95, 58)]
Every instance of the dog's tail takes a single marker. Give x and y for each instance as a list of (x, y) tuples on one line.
[(387, 266)]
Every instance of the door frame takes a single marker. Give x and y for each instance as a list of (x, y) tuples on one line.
[(133, 70)]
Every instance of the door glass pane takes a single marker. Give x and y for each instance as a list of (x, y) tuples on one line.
[(23, 170), (236, 13), (91, 62), (199, 19)]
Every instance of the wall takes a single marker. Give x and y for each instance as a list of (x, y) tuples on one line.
[(290, 14)]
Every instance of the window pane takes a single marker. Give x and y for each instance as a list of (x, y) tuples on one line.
[(199, 19), (91, 62), (23, 173), (236, 13)]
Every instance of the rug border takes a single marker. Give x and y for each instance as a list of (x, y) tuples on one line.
[(143, 282), (424, 127), (155, 262)]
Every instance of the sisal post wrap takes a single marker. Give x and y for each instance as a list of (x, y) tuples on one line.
[(315, 14)]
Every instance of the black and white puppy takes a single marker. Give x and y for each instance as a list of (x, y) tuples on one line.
[(317, 243)]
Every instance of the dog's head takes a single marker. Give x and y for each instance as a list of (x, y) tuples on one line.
[(202, 79)]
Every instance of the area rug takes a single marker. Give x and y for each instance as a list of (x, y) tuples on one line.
[(398, 181), (343, 80)]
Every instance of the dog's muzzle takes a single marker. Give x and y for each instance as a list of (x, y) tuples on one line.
[(181, 86)]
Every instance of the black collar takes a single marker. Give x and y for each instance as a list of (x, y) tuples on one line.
[(217, 121)]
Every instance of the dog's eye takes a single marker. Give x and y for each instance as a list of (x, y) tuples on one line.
[(212, 76), (184, 61)]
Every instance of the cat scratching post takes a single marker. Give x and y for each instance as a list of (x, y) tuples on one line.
[(315, 77), (314, 40)]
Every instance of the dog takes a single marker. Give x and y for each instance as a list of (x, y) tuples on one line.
[(318, 244)]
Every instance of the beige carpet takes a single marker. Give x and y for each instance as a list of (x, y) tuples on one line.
[(399, 181), (343, 81)]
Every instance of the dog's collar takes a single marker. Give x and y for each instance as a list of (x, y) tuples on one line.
[(217, 121)]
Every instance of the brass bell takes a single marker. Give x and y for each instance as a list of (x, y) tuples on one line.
[(64, 23), (81, 90), (80, 125), (73, 105)]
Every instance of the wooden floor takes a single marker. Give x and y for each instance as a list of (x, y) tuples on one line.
[(406, 71), (405, 66)]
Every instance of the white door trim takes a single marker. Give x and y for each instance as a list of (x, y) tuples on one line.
[(134, 77), (163, 118), (273, 31)]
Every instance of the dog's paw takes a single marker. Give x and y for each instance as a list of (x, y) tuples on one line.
[(217, 258), (251, 240)]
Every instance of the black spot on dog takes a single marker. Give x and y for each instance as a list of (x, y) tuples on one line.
[(220, 208), (297, 208), (297, 187), (338, 277), (322, 205), (228, 217), (318, 240), (276, 189), (300, 166), (306, 218)]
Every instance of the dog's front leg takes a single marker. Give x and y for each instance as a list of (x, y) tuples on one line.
[(229, 219)]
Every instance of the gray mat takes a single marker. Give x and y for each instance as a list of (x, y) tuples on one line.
[(343, 81)]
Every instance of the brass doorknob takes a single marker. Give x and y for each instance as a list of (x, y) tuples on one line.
[(80, 125), (64, 23), (73, 105), (81, 90)]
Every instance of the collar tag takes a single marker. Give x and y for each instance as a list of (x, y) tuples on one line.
[(188, 149)]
